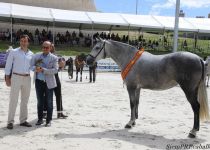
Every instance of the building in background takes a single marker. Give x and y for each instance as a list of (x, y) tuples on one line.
[(80, 5), (200, 17), (181, 13), (209, 15)]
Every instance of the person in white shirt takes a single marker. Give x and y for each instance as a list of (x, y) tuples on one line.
[(17, 71)]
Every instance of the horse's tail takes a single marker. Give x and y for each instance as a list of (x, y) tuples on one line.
[(202, 96)]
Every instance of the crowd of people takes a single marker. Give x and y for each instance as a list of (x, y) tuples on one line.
[(79, 38)]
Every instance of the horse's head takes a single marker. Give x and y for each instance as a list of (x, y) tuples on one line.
[(98, 52)]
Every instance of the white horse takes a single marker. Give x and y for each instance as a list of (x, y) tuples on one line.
[(158, 72)]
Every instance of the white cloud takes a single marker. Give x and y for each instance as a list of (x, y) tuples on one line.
[(195, 3), (156, 8)]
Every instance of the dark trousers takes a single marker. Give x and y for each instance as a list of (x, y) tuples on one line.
[(58, 95), (92, 74), (44, 96)]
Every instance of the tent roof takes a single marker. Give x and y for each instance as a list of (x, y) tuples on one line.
[(105, 21), (5, 10), (30, 12), (143, 21), (202, 24), (70, 16)]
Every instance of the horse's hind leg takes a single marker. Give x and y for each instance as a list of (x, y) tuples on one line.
[(72, 73), (133, 92), (81, 74), (137, 102), (192, 97), (76, 75)]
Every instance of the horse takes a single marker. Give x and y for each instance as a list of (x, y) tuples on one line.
[(158, 72), (79, 63), (70, 64)]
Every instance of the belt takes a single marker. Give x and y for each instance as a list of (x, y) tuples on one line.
[(41, 80), (24, 75)]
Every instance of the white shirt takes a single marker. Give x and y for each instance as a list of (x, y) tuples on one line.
[(18, 61)]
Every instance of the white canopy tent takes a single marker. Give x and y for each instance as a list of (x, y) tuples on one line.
[(168, 23), (108, 21), (142, 22), (22, 14)]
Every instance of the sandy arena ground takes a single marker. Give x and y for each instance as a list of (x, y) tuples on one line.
[(97, 116)]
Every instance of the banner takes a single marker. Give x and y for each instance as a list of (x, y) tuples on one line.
[(104, 65), (3, 60)]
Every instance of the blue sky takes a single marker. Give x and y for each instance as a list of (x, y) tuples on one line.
[(191, 8)]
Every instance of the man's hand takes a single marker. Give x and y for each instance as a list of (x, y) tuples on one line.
[(8, 80), (39, 69)]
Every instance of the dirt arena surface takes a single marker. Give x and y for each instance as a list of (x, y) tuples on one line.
[(98, 113)]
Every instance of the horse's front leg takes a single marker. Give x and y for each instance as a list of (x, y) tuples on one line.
[(133, 92), (81, 74), (72, 73)]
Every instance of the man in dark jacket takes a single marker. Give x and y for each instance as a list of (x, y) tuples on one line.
[(92, 72)]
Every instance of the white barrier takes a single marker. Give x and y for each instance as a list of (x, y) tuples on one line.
[(104, 65), (108, 65)]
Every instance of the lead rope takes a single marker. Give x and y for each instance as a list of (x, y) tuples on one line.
[(61, 90)]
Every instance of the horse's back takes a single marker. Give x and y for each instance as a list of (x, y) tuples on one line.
[(165, 71)]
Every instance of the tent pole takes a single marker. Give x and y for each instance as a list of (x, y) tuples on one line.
[(92, 35), (53, 32), (128, 34), (195, 40), (176, 26), (137, 6), (11, 30)]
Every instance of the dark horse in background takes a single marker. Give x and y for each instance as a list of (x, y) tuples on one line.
[(79, 63), (158, 72), (70, 64)]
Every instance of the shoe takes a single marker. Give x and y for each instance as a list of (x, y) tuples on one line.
[(10, 126), (48, 124), (44, 115), (25, 124), (39, 122), (62, 116)]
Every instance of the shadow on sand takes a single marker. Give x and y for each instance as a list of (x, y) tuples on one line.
[(17, 130), (148, 140)]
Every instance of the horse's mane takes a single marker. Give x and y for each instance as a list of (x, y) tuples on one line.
[(123, 44)]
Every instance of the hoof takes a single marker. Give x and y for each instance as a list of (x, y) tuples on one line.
[(127, 126), (191, 135), (134, 123)]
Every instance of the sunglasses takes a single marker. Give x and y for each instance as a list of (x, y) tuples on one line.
[(45, 47)]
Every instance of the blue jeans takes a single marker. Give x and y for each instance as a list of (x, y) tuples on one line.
[(44, 95)]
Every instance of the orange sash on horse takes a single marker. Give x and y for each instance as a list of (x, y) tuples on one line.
[(127, 69)]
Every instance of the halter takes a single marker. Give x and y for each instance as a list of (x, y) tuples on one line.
[(103, 47)]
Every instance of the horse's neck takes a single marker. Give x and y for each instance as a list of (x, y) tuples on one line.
[(121, 54)]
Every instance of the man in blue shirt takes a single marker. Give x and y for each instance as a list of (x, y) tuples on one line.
[(18, 63), (45, 66)]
